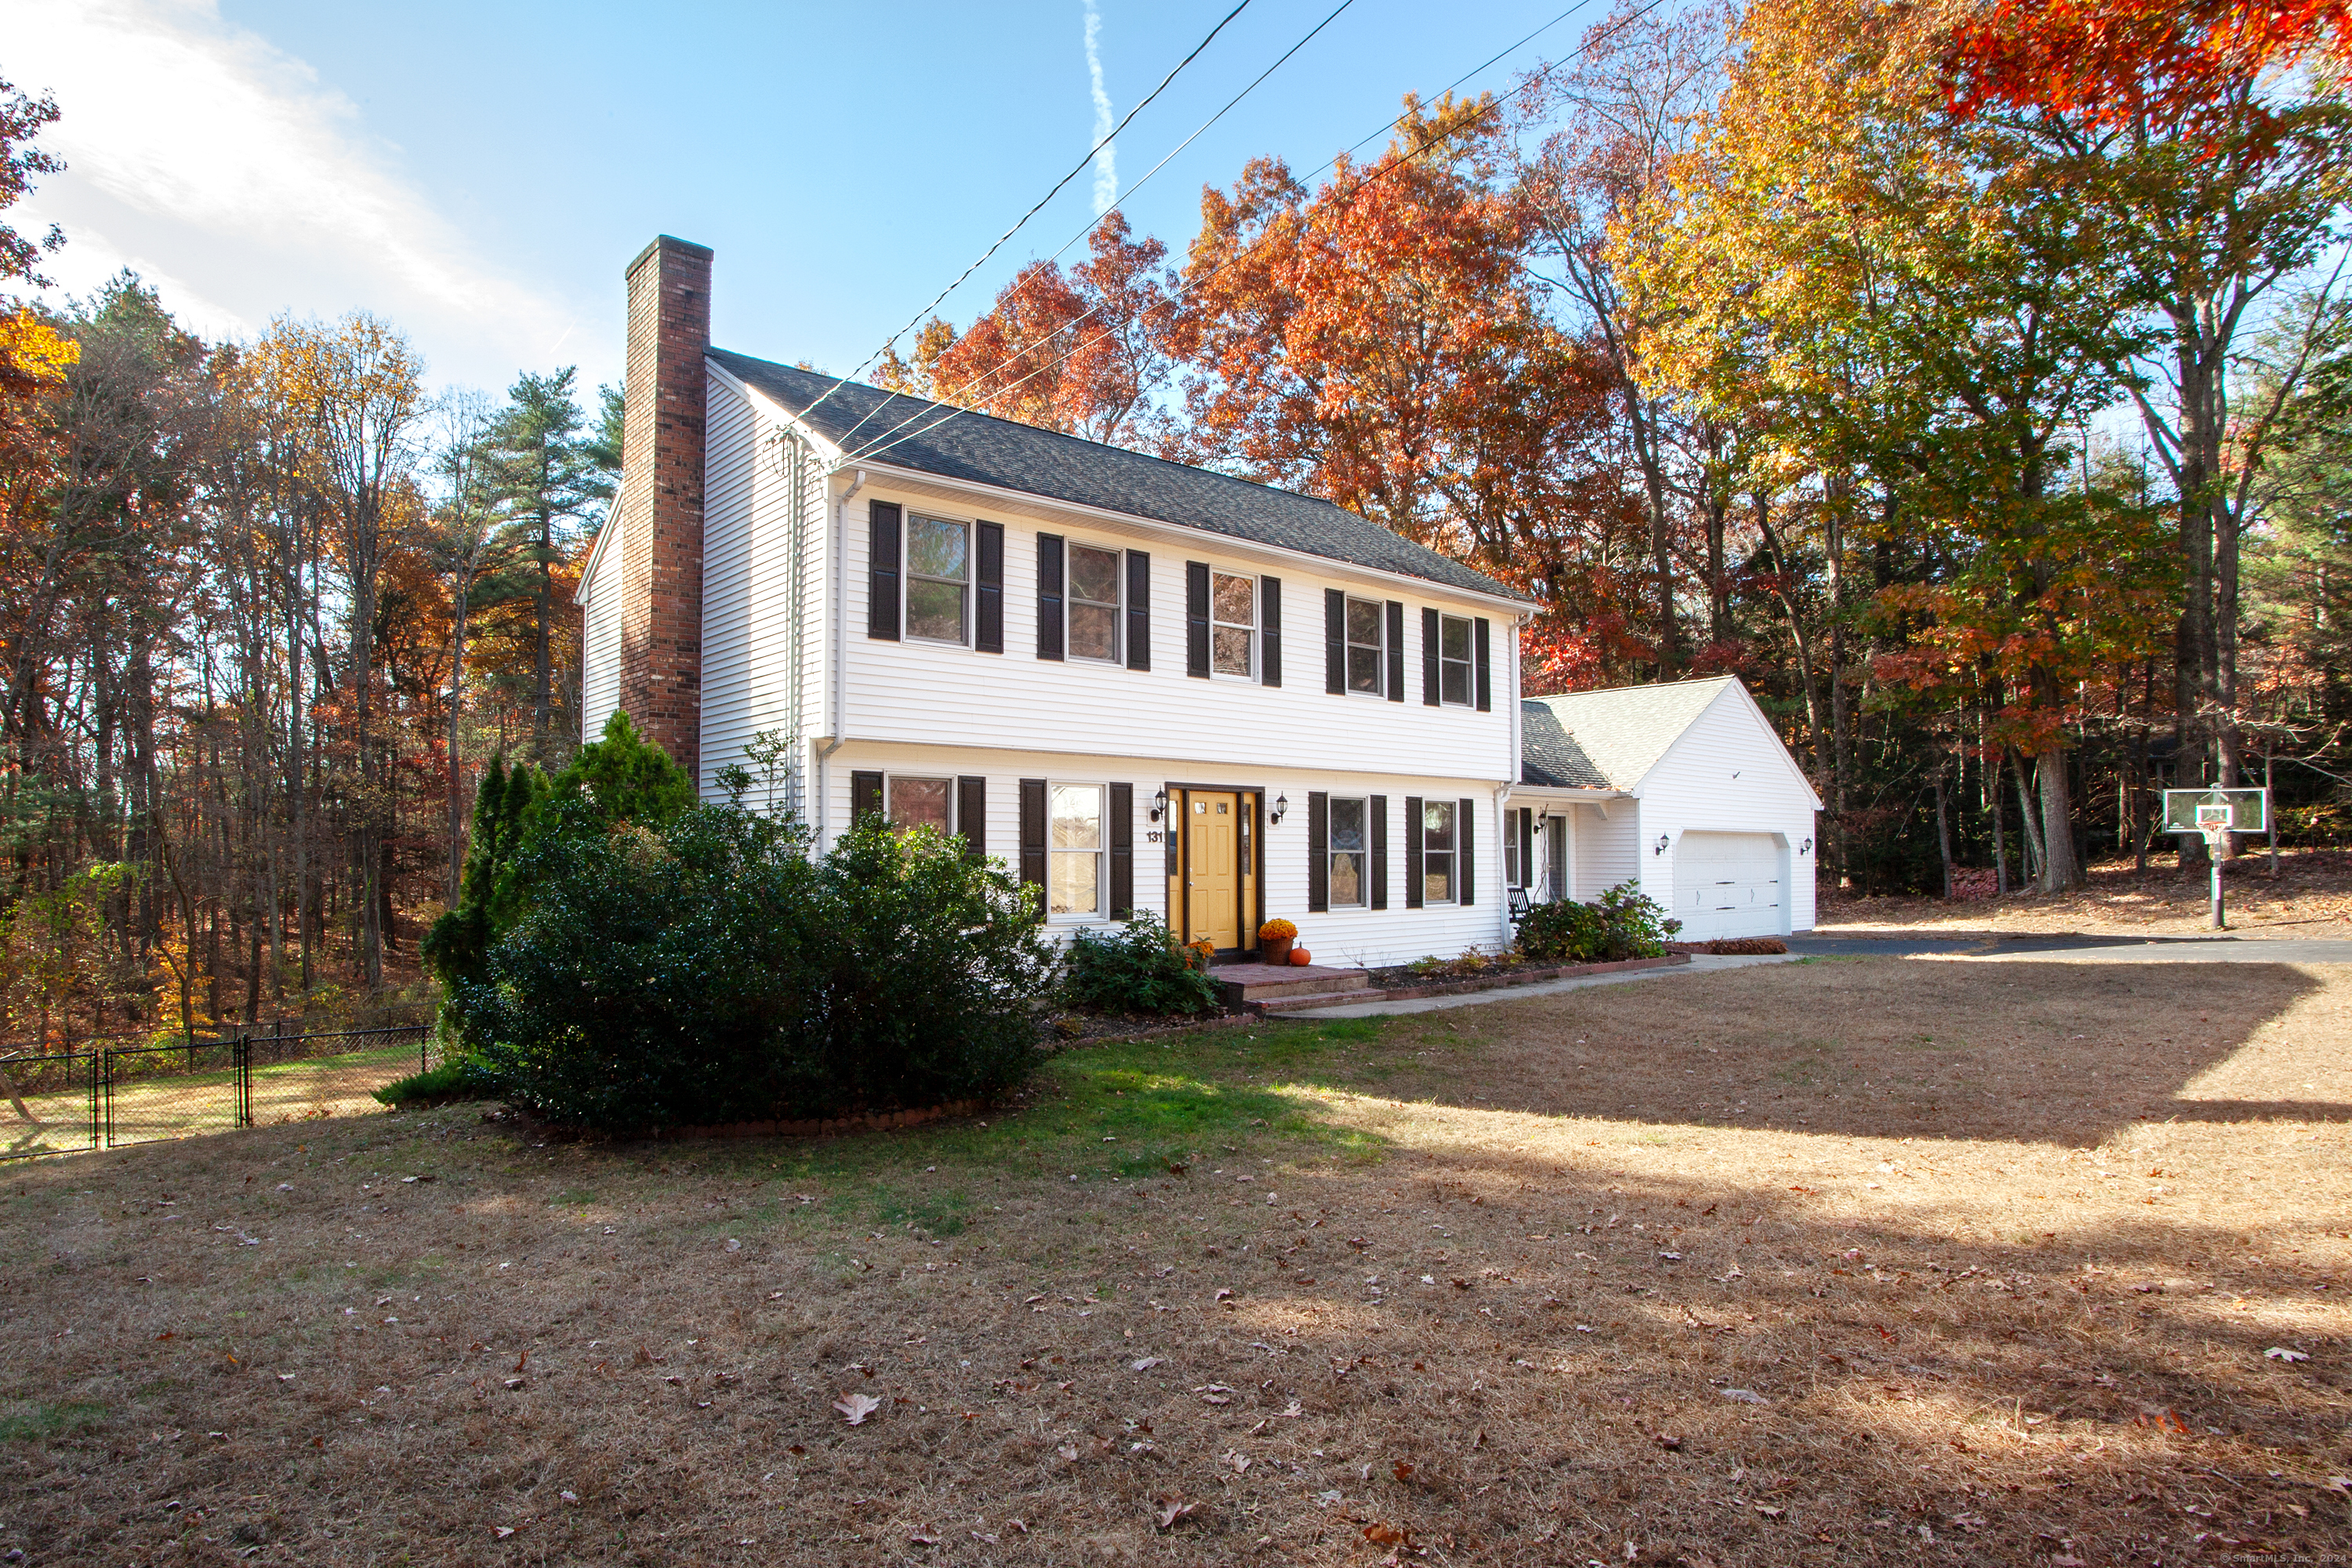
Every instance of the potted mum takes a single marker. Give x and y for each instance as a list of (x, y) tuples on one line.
[(1274, 940)]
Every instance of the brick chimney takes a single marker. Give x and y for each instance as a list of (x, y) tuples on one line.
[(661, 498)]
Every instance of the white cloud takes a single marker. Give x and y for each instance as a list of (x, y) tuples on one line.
[(1105, 156), (224, 170)]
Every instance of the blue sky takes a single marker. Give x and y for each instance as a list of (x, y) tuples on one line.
[(480, 173)]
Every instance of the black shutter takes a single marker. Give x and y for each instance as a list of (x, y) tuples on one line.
[(1396, 651), (1033, 838), (1379, 837), (1527, 848), (1049, 595), (1429, 645), (1138, 609), (1478, 651), (864, 795), (1269, 631), (1318, 851), (1122, 851), (1463, 838), (1413, 852), (988, 587), (1196, 619), (882, 570), (971, 815), (1335, 642)]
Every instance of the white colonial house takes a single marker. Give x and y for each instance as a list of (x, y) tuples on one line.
[(1141, 686), (1685, 789)]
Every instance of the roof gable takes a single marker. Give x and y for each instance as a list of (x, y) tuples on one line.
[(957, 444), (1619, 735)]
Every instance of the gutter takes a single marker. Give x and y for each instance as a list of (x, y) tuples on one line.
[(840, 696)]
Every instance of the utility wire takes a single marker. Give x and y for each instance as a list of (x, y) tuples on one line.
[(1139, 184), (1108, 137), (885, 442)]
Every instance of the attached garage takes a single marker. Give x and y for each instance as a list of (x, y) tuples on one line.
[(1683, 788), (1728, 884)]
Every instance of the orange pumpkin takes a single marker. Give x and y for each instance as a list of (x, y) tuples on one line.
[(1301, 956)]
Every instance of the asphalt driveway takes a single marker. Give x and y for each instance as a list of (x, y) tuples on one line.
[(2077, 949)]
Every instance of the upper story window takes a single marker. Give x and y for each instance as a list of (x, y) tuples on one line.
[(1074, 884), (1347, 852), (939, 579), (1094, 602), (1233, 629), (1364, 646), (1437, 851), (1454, 665)]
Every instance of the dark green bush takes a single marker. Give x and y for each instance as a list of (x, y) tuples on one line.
[(1625, 923), (460, 1078), (710, 971), (1138, 968)]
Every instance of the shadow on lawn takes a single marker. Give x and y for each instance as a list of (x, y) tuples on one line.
[(1880, 1047)]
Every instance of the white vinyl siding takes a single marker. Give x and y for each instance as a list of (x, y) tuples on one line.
[(600, 637), (1729, 772)]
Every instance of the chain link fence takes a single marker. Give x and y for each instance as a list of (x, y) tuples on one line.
[(136, 1091)]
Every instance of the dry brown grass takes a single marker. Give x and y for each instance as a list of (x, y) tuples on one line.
[(2001, 1248), (2310, 897)]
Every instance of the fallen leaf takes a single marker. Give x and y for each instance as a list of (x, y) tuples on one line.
[(1171, 1509), (2280, 1352), (1769, 1511), (1143, 1363), (1671, 1445), (920, 1538), (1069, 1452), (1745, 1396), (502, 1531), (1381, 1535), (856, 1407)]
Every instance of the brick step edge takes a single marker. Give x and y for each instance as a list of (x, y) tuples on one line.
[(1458, 987), (877, 1121)]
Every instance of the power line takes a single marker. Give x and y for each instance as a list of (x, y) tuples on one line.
[(1079, 168), (885, 442), (1155, 168)]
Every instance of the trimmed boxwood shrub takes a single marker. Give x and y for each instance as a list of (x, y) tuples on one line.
[(1140, 967), (1625, 923), (709, 970)]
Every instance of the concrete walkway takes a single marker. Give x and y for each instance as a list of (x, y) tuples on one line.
[(1700, 963)]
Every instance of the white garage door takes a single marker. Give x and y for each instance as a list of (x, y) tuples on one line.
[(1728, 884)]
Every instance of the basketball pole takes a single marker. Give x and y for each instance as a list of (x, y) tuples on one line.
[(2216, 841)]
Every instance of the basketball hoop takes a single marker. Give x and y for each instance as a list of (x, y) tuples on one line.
[(2214, 812)]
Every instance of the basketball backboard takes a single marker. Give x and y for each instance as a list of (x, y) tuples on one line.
[(2195, 810)]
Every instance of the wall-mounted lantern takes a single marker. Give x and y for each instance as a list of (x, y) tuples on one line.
[(1806, 847), (1281, 805), (1665, 842), (1159, 804)]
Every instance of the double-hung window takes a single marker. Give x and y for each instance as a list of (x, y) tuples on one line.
[(1347, 850), (1075, 844), (939, 579), (1234, 628), (1094, 602), (1437, 851), (922, 803), (1454, 683), (1364, 646)]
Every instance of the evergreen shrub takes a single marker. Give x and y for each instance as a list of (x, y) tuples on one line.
[(1625, 923), (709, 970), (1138, 968)]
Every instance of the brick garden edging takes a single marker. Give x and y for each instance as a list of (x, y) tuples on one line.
[(1455, 987)]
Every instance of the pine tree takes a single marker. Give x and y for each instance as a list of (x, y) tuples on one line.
[(546, 480)]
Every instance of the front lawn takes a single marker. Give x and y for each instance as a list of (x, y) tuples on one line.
[(1839, 1262)]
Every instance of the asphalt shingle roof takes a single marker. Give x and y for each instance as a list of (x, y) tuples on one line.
[(922, 437), (1608, 740)]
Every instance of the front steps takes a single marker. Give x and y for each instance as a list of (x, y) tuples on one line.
[(1250, 987)]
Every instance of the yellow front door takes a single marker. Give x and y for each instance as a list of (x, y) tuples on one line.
[(1212, 882)]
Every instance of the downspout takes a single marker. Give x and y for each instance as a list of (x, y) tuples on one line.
[(840, 681)]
